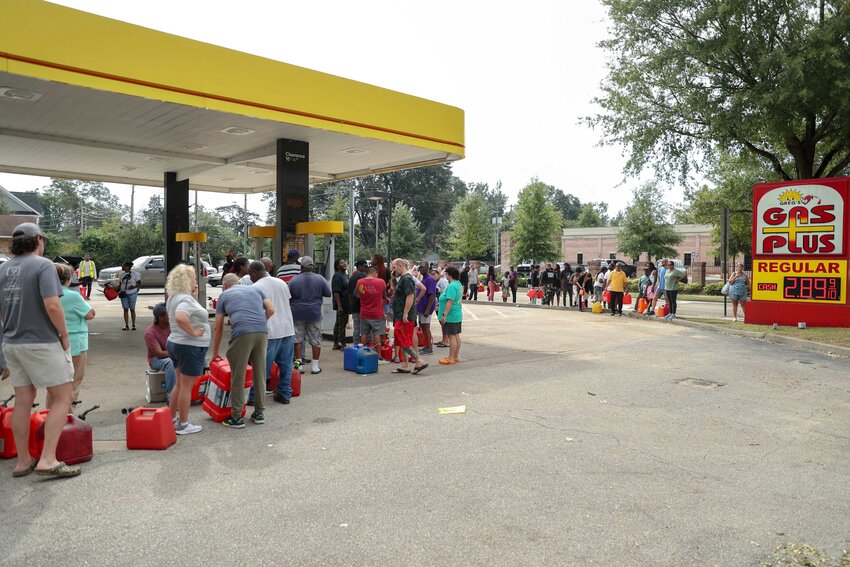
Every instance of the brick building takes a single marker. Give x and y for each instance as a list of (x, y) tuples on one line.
[(581, 245)]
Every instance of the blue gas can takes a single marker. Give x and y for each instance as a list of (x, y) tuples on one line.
[(349, 357), (366, 361)]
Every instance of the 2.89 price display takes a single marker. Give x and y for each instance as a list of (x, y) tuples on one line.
[(812, 288)]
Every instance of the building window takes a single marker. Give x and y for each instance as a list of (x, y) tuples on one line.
[(579, 258), (687, 258), (612, 255)]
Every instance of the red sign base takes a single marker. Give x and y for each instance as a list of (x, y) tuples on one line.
[(788, 315)]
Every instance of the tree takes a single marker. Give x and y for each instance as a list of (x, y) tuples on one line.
[(566, 203), (152, 215), (730, 185), (407, 234), (646, 227), (471, 235), (536, 225), (71, 206), (762, 77), (593, 214)]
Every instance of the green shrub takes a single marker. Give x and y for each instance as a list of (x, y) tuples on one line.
[(633, 285), (690, 288), (521, 280), (712, 288)]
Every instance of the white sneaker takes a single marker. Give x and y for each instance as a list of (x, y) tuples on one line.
[(187, 428)]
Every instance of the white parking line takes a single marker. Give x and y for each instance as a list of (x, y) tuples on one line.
[(497, 311), (471, 314)]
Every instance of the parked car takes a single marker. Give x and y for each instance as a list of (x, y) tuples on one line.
[(214, 279), (3, 259), (150, 268)]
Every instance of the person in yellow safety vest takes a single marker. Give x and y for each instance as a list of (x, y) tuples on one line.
[(88, 272)]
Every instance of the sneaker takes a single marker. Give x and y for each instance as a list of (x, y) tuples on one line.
[(306, 361), (672, 317), (187, 428), (426, 351), (258, 418), (234, 423), (382, 361), (316, 371), (176, 421), (269, 391), (280, 399)]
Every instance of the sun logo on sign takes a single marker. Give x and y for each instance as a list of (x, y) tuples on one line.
[(790, 197)]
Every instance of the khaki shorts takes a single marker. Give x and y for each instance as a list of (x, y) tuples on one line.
[(311, 331), (43, 365)]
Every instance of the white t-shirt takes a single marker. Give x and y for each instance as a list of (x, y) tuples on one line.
[(442, 284), (198, 316), (128, 280), (245, 280), (601, 279), (280, 324)]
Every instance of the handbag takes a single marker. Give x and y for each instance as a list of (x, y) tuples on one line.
[(122, 294), (725, 289)]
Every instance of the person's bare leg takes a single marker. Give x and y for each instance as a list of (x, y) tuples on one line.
[(734, 309), (133, 316), (454, 347), (79, 373), (126, 317), (184, 399), (61, 397), (24, 397), (297, 351), (317, 352), (173, 402), (429, 339)]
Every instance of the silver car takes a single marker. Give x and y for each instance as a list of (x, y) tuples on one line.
[(150, 268)]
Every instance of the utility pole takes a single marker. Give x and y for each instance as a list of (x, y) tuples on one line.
[(724, 247), (245, 222), (132, 203), (351, 229), (195, 225)]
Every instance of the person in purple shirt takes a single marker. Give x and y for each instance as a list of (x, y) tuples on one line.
[(308, 290), (425, 307), (512, 279)]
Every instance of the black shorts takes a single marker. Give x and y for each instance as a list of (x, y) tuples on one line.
[(451, 329)]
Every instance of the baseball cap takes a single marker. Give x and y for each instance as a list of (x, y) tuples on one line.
[(293, 254), (27, 230), (158, 311), (361, 262), (306, 261)]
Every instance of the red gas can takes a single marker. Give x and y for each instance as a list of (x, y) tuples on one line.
[(295, 384), (75, 442), (386, 350), (420, 337), (7, 439), (36, 419), (217, 402), (221, 368), (662, 311), (150, 428), (199, 390)]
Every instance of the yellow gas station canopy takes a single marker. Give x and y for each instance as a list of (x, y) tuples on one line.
[(88, 97)]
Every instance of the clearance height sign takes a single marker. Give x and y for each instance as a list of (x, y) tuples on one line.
[(800, 253)]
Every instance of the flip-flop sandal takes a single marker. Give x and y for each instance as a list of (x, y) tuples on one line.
[(400, 371), (447, 361), (59, 471), (26, 472), (419, 369), (441, 345)]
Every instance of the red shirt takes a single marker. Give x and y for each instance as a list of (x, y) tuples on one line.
[(154, 336), (371, 292)]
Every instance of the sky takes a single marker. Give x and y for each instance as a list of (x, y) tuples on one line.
[(524, 73)]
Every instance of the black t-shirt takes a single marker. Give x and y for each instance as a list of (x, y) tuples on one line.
[(535, 279), (339, 284), (352, 285), (548, 277), (464, 278)]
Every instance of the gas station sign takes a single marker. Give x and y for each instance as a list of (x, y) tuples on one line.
[(800, 253)]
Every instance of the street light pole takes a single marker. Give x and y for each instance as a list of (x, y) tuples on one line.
[(497, 222)]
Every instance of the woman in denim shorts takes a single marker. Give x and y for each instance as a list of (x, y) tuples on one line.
[(188, 342), (739, 284)]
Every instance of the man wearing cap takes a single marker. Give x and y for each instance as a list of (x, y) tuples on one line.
[(156, 337), (353, 299), (36, 347), (291, 267), (308, 290)]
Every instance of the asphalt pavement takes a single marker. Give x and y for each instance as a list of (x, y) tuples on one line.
[(586, 440)]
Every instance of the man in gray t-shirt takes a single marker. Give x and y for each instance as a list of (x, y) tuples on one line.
[(248, 309), (36, 347), (308, 291)]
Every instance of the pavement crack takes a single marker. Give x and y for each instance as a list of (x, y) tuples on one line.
[(551, 427)]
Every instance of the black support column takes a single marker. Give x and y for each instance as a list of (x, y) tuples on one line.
[(175, 217), (293, 192)]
